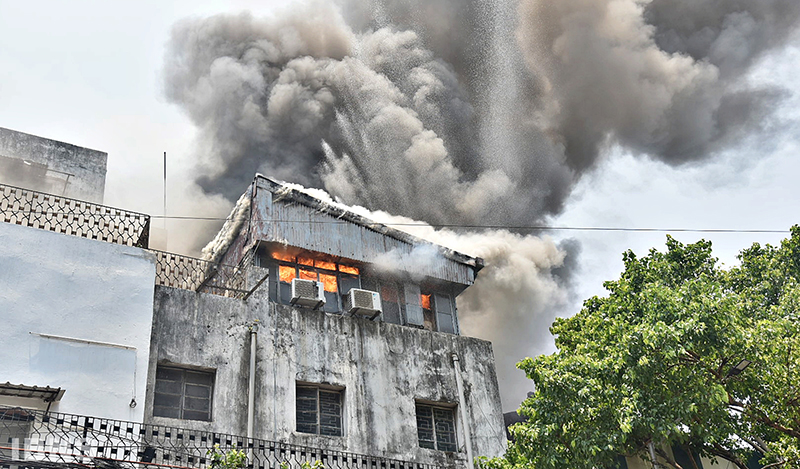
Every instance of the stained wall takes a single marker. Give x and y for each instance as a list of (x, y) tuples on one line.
[(382, 367)]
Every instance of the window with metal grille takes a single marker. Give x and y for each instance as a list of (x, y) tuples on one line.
[(319, 410), (183, 393), (436, 427)]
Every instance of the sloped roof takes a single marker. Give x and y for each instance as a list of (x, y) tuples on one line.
[(285, 192)]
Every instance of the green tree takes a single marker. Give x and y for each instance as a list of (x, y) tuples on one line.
[(649, 365), (233, 459)]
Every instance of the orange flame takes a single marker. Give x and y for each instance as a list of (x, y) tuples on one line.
[(282, 256), (286, 273), (426, 301), (308, 275), (329, 281), (305, 261), (348, 270)]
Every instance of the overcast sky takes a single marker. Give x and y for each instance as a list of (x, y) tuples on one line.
[(89, 73)]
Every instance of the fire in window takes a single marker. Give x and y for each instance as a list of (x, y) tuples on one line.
[(183, 393), (319, 410), (436, 427), (337, 279)]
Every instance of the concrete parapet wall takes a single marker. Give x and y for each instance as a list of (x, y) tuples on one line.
[(58, 167)]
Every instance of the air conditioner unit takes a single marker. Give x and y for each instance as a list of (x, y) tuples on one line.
[(307, 293), (363, 302)]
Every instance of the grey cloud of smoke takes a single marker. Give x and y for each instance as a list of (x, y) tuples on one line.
[(473, 111), (664, 78)]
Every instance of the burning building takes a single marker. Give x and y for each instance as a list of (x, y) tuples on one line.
[(314, 338), (308, 332)]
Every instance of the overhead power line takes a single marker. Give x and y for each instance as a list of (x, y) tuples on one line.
[(476, 227)]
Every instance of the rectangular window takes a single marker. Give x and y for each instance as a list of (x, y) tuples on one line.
[(390, 303), (427, 312), (182, 393), (414, 316), (337, 279), (444, 313), (319, 410), (436, 427)]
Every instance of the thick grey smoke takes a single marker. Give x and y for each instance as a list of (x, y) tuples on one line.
[(473, 111)]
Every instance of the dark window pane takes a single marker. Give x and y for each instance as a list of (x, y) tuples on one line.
[(414, 315), (425, 427), (346, 282), (319, 411), (172, 374), (307, 392), (195, 415), (199, 378), (285, 292), (436, 428), (183, 394), (169, 387), (193, 403), (171, 412), (307, 427), (327, 397), (369, 284), (391, 312), (447, 446), (445, 322), (306, 405), (335, 430), (167, 400), (444, 313), (194, 390), (331, 303)]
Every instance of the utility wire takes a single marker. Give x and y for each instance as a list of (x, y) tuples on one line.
[(467, 226)]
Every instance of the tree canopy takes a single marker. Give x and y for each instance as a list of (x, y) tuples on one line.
[(655, 362)]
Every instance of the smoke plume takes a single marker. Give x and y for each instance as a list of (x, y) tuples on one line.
[(473, 112)]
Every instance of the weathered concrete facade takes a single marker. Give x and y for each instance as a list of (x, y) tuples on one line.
[(384, 369), (51, 166)]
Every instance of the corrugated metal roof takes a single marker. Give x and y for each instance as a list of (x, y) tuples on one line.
[(47, 394), (298, 219)]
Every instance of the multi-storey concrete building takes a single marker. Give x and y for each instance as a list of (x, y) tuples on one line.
[(310, 333), (396, 380)]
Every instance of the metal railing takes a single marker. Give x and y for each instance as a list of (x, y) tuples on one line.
[(73, 217), (59, 214), (191, 273), (34, 439)]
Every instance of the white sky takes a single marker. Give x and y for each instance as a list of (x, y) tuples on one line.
[(88, 73)]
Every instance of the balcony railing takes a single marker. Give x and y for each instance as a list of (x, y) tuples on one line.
[(87, 220), (73, 217), (34, 439), (190, 273)]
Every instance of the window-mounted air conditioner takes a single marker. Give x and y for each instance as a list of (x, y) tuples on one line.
[(307, 293), (363, 303)]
